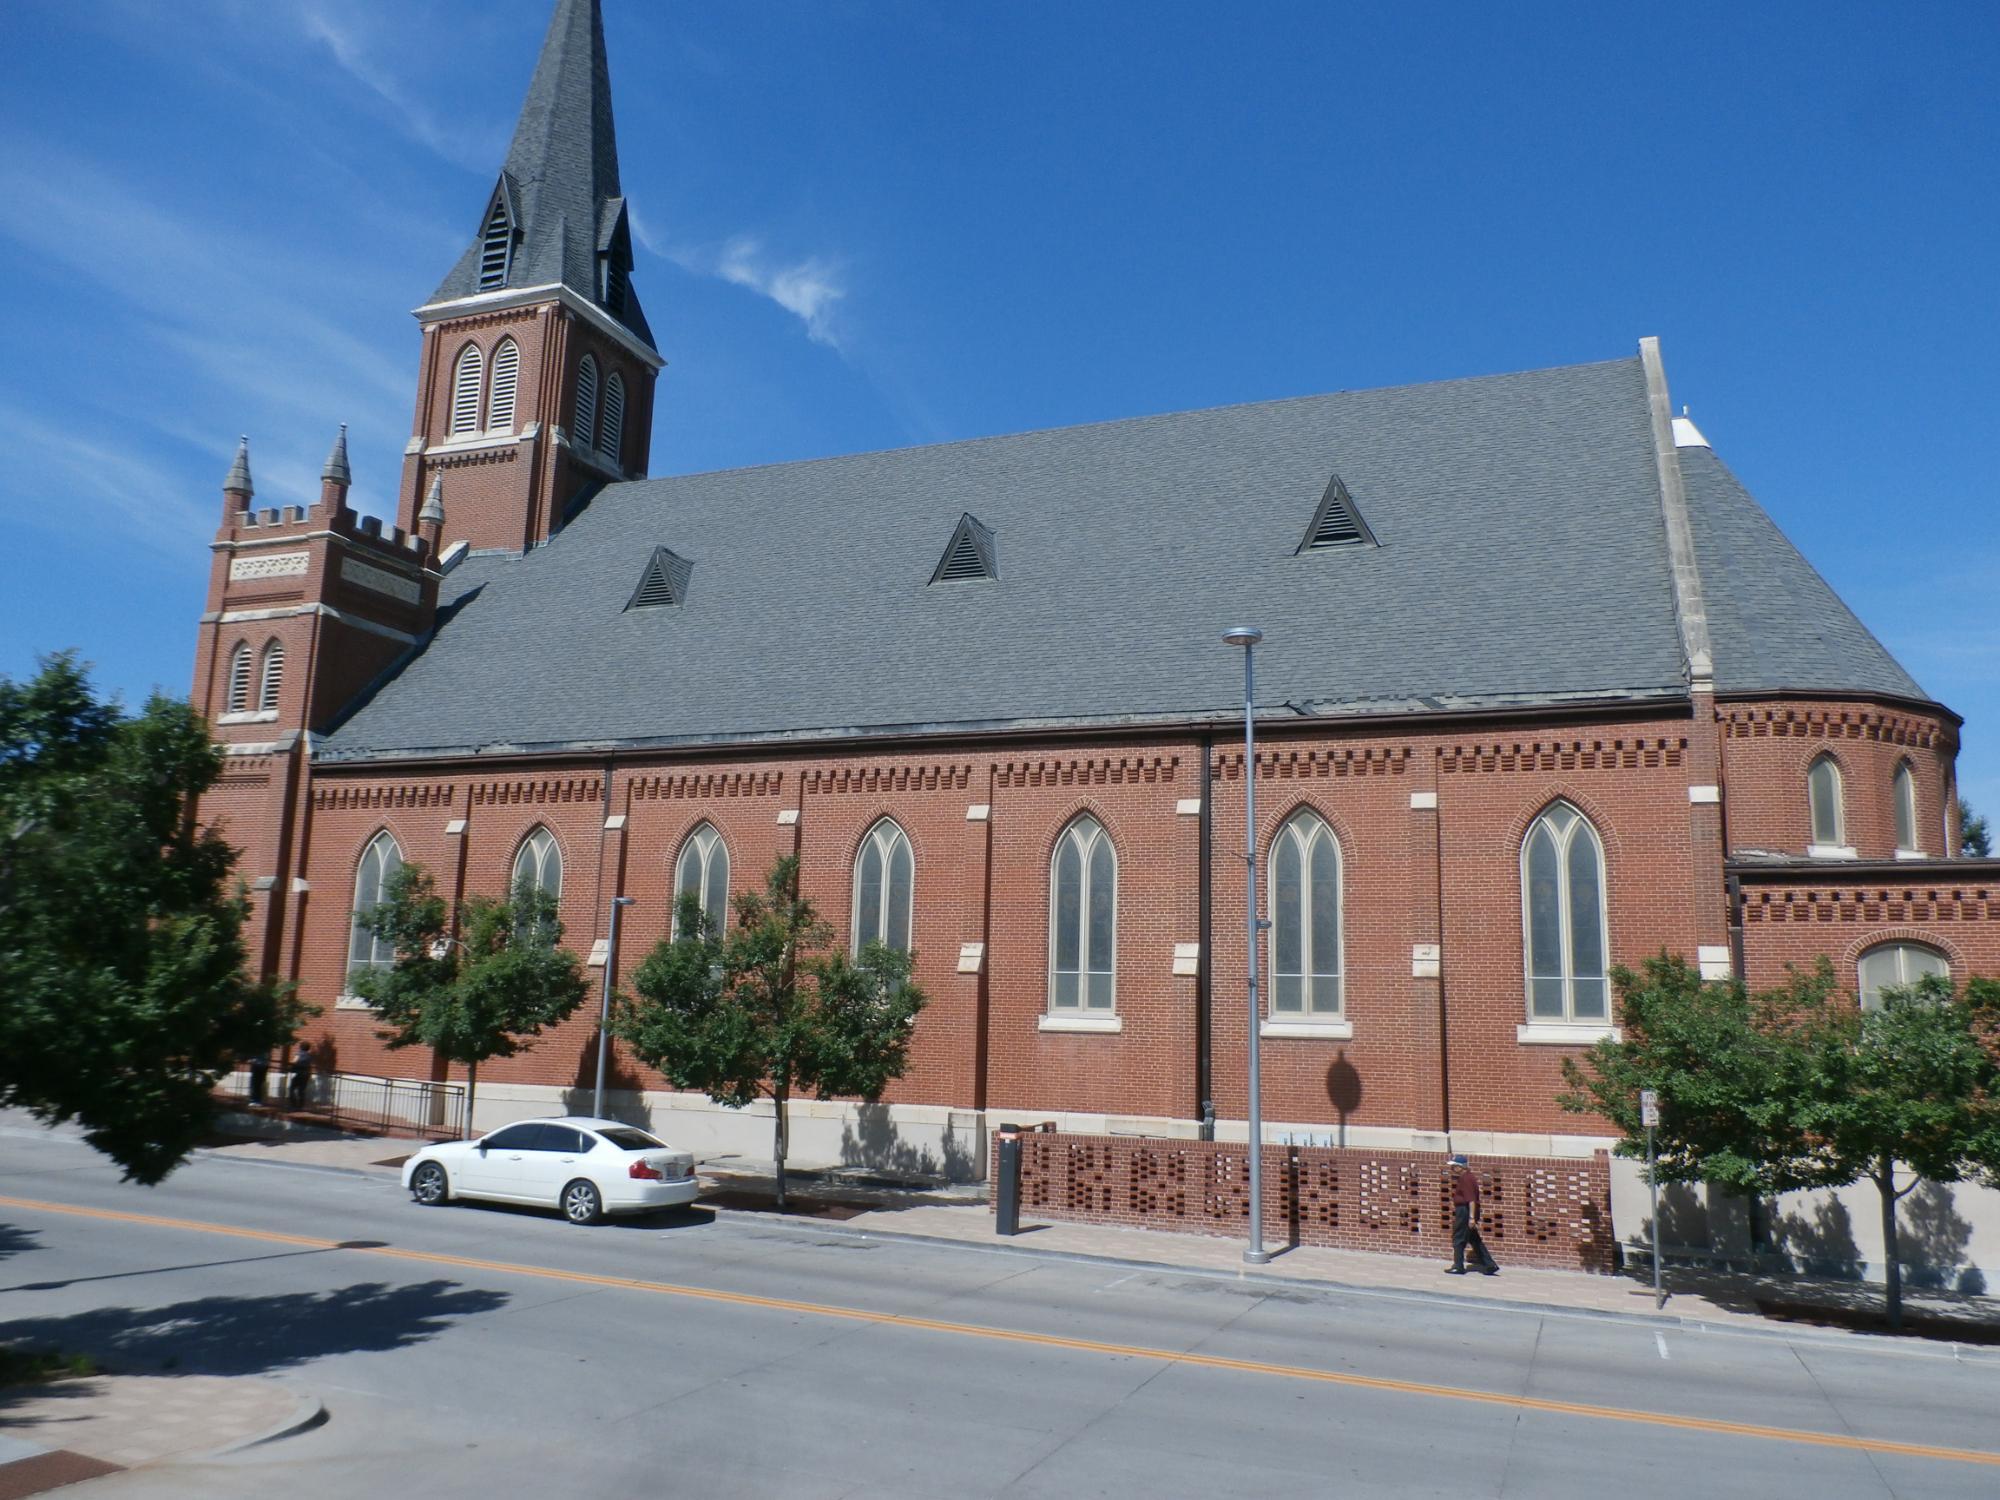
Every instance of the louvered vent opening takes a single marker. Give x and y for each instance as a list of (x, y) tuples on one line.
[(496, 246), (465, 390), (1337, 523), (969, 554), (614, 284), (274, 676), (584, 429), (665, 580), (506, 382), (239, 679), (611, 424)]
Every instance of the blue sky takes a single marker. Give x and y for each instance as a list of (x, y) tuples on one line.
[(870, 225)]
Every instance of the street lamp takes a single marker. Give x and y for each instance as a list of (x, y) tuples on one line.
[(1247, 636), (604, 1013)]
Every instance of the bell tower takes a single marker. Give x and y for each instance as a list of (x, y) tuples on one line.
[(535, 382)]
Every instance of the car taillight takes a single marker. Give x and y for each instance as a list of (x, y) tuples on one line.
[(646, 1171)]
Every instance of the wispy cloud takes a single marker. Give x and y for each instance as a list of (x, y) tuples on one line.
[(475, 147), (53, 478), (810, 289)]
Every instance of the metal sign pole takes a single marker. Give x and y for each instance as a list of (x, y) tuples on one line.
[(1649, 1112)]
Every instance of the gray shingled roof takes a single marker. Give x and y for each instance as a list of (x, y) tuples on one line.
[(1522, 559), (563, 171), (1775, 623)]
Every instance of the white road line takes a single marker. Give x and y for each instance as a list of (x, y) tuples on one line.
[(1660, 1342)]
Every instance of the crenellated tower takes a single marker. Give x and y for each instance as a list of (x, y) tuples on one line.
[(537, 370)]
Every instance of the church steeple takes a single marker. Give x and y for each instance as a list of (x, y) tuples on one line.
[(539, 365)]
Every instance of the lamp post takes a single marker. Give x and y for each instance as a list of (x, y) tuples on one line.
[(1247, 636), (604, 1012)]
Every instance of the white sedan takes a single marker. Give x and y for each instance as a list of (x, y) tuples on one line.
[(587, 1168)]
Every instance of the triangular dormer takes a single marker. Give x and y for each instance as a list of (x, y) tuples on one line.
[(968, 555), (1337, 523)]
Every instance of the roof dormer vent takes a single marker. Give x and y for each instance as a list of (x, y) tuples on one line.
[(969, 555), (665, 580), (1337, 523)]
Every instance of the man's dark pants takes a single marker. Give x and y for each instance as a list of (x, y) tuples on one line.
[(1464, 1234)]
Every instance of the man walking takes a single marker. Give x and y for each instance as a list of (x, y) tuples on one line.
[(1465, 1222), (302, 1071)]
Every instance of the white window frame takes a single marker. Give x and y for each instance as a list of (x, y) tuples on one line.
[(538, 852), (1817, 847), (706, 840), (1870, 998), (238, 692), (506, 380), (1315, 828), (1903, 803), (375, 853), (1569, 1025), (1086, 831), (884, 837), (271, 676), (468, 388)]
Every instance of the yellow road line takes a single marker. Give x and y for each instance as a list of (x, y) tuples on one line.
[(1048, 1340)]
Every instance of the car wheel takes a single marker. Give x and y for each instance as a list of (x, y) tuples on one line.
[(581, 1203), (429, 1186)]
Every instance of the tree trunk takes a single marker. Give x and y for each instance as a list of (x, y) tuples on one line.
[(778, 1144), (471, 1095), (1886, 1181)]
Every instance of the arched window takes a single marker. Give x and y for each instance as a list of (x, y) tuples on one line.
[(239, 678), (506, 382), (1829, 824), (703, 869), (1892, 964), (1083, 920), (1305, 919), (539, 864), (381, 859), (1562, 885), (465, 380), (584, 428), (1905, 794), (611, 426), (883, 879), (272, 680)]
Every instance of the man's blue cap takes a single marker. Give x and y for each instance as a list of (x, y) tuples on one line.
[(1459, 1161)]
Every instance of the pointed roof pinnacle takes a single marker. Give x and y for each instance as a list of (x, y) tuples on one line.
[(336, 470), (238, 481), (433, 511)]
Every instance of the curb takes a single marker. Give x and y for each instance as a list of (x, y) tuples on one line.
[(222, 1154), (308, 1412), (1904, 1344)]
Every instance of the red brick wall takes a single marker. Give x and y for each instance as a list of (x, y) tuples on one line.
[(1535, 1212), (1792, 919)]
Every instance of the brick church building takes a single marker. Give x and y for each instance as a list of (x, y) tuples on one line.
[(1542, 690)]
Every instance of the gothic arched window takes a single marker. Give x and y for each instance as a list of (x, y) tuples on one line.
[(611, 423), (272, 680), (238, 700), (1083, 918), (1904, 792), (465, 382), (1305, 920), (1889, 965), (538, 864), (583, 429), (381, 859), (1562, 889), (506, 384), (884, 877), (1823, 798), (703, 869)]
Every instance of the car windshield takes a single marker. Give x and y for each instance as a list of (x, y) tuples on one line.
[(626, 1139)]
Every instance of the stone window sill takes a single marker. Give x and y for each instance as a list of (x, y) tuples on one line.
[(1830, 851), (351, 1002), (1107, 1023), (1325, 1031), (249, 716), (1564, 1034)]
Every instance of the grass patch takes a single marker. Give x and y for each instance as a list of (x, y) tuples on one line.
[(38, 1366)]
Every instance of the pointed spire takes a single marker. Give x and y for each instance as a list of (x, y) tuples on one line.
[(238, 481), (433, 512), (336, 470)]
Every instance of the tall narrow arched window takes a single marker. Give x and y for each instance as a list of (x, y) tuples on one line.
[(271, 680), (1562, 888), (239, 678), (1893, 964), (538, 864), (1305, 920), (381, 859), (884, 877), (1083, 918), (506, 383), (465, 382), (703, 868), (611, 422), (1823, 797), (583, 429), (1904, 792)]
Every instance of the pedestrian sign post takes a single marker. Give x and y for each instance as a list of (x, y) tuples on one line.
[(1649, 1116)]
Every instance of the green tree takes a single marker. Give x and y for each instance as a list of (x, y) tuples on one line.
[(1798, 1087), (122, 993), (1975, 838), (765, 1010), (477, 996)]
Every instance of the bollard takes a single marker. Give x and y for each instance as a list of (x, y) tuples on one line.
[(1007, 1191)]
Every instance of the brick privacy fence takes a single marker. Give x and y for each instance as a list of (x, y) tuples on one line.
[(1538, 1211)]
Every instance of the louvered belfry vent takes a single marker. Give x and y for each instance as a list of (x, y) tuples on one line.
[(969, 554), (665, 580), (1337, 523)]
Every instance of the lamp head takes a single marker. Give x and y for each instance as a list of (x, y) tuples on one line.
[(1245, 636), (623, 900)]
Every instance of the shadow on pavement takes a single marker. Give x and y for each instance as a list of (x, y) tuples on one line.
[(255, 1335), (14, 1241)]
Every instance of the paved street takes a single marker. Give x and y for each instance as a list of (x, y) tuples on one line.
[(492, 1353)]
